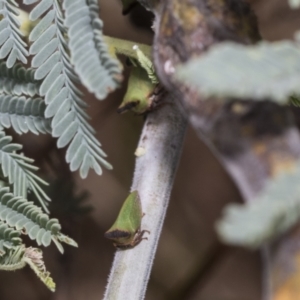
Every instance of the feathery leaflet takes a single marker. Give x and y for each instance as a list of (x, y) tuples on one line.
[(11, 44), (97, 70), (63, 98)]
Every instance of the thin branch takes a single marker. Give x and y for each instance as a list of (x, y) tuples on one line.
[(161, 142)]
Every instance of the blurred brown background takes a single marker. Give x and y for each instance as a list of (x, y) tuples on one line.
[(190, 263)]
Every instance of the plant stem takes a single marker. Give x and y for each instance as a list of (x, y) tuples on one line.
[(161, 142)]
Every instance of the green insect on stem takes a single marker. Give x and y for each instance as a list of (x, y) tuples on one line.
[(143, 90), (126, 232), (140, 92)]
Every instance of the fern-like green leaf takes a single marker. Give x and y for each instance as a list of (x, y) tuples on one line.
[(23, 114), (9, 238), (17, 258), (18, 80), (63, 99), (98, 71), (11, 43), (24, 215), (13, 259), (19, 171), (34, 258)]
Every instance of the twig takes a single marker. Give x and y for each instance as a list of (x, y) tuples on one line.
[(161, 142)]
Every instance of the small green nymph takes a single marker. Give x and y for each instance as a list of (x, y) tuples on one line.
[(126, 232)]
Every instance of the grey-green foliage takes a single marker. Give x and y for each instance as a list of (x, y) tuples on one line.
[(18, 81), (12, 260), (98, 71), (23, 114), (265, 70), (19, 171), (25, 216), (18, 216), (34, 258), (20, 106), (44, 99), (11, 44), (17, 257), (9, 238), (64, 100), (294, 3), (268, 216)]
